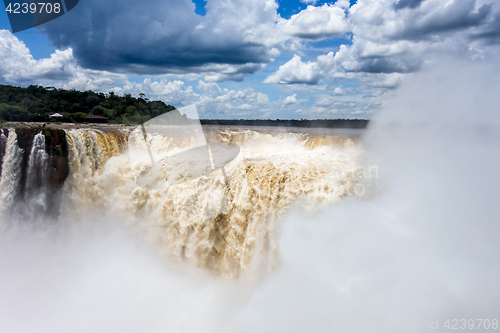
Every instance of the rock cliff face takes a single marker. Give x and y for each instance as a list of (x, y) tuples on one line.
[(43, 168), (56, 148), (35, 163)]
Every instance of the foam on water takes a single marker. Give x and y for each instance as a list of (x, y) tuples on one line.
[(289, 249)]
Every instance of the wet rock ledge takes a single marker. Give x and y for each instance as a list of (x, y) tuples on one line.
[(56, 148), (55, 145)]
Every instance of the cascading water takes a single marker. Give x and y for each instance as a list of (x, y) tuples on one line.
[(88, 151), (11, 173), (419, 251), (3, 144), (37, 165), (35, 193), (225, 229)]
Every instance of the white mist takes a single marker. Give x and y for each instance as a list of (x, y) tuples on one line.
[(423, 248)]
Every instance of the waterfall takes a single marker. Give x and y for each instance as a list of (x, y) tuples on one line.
[(3, 144), (228, 224), (35, 194), (88, 151), (226, 229), (11, 173)]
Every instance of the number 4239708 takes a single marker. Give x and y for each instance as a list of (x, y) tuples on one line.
[(471, 324), (41, 7)]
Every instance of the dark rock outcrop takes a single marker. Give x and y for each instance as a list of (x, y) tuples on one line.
[(50, 174), (56, 148)]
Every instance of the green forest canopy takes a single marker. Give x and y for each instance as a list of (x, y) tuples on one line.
[(35, 102)]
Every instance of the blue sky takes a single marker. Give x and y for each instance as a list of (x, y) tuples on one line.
[(249, 59)]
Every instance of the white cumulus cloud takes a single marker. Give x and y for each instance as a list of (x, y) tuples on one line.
[(17, 66), (292, 100), (313, 22), (296, 71)]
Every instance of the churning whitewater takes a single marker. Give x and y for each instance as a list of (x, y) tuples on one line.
[(302, 236), (226, 226)]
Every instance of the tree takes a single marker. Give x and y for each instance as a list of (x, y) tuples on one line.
[(101, 111), (80, 117), (92, 100), (35, 102), (13, 112)]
